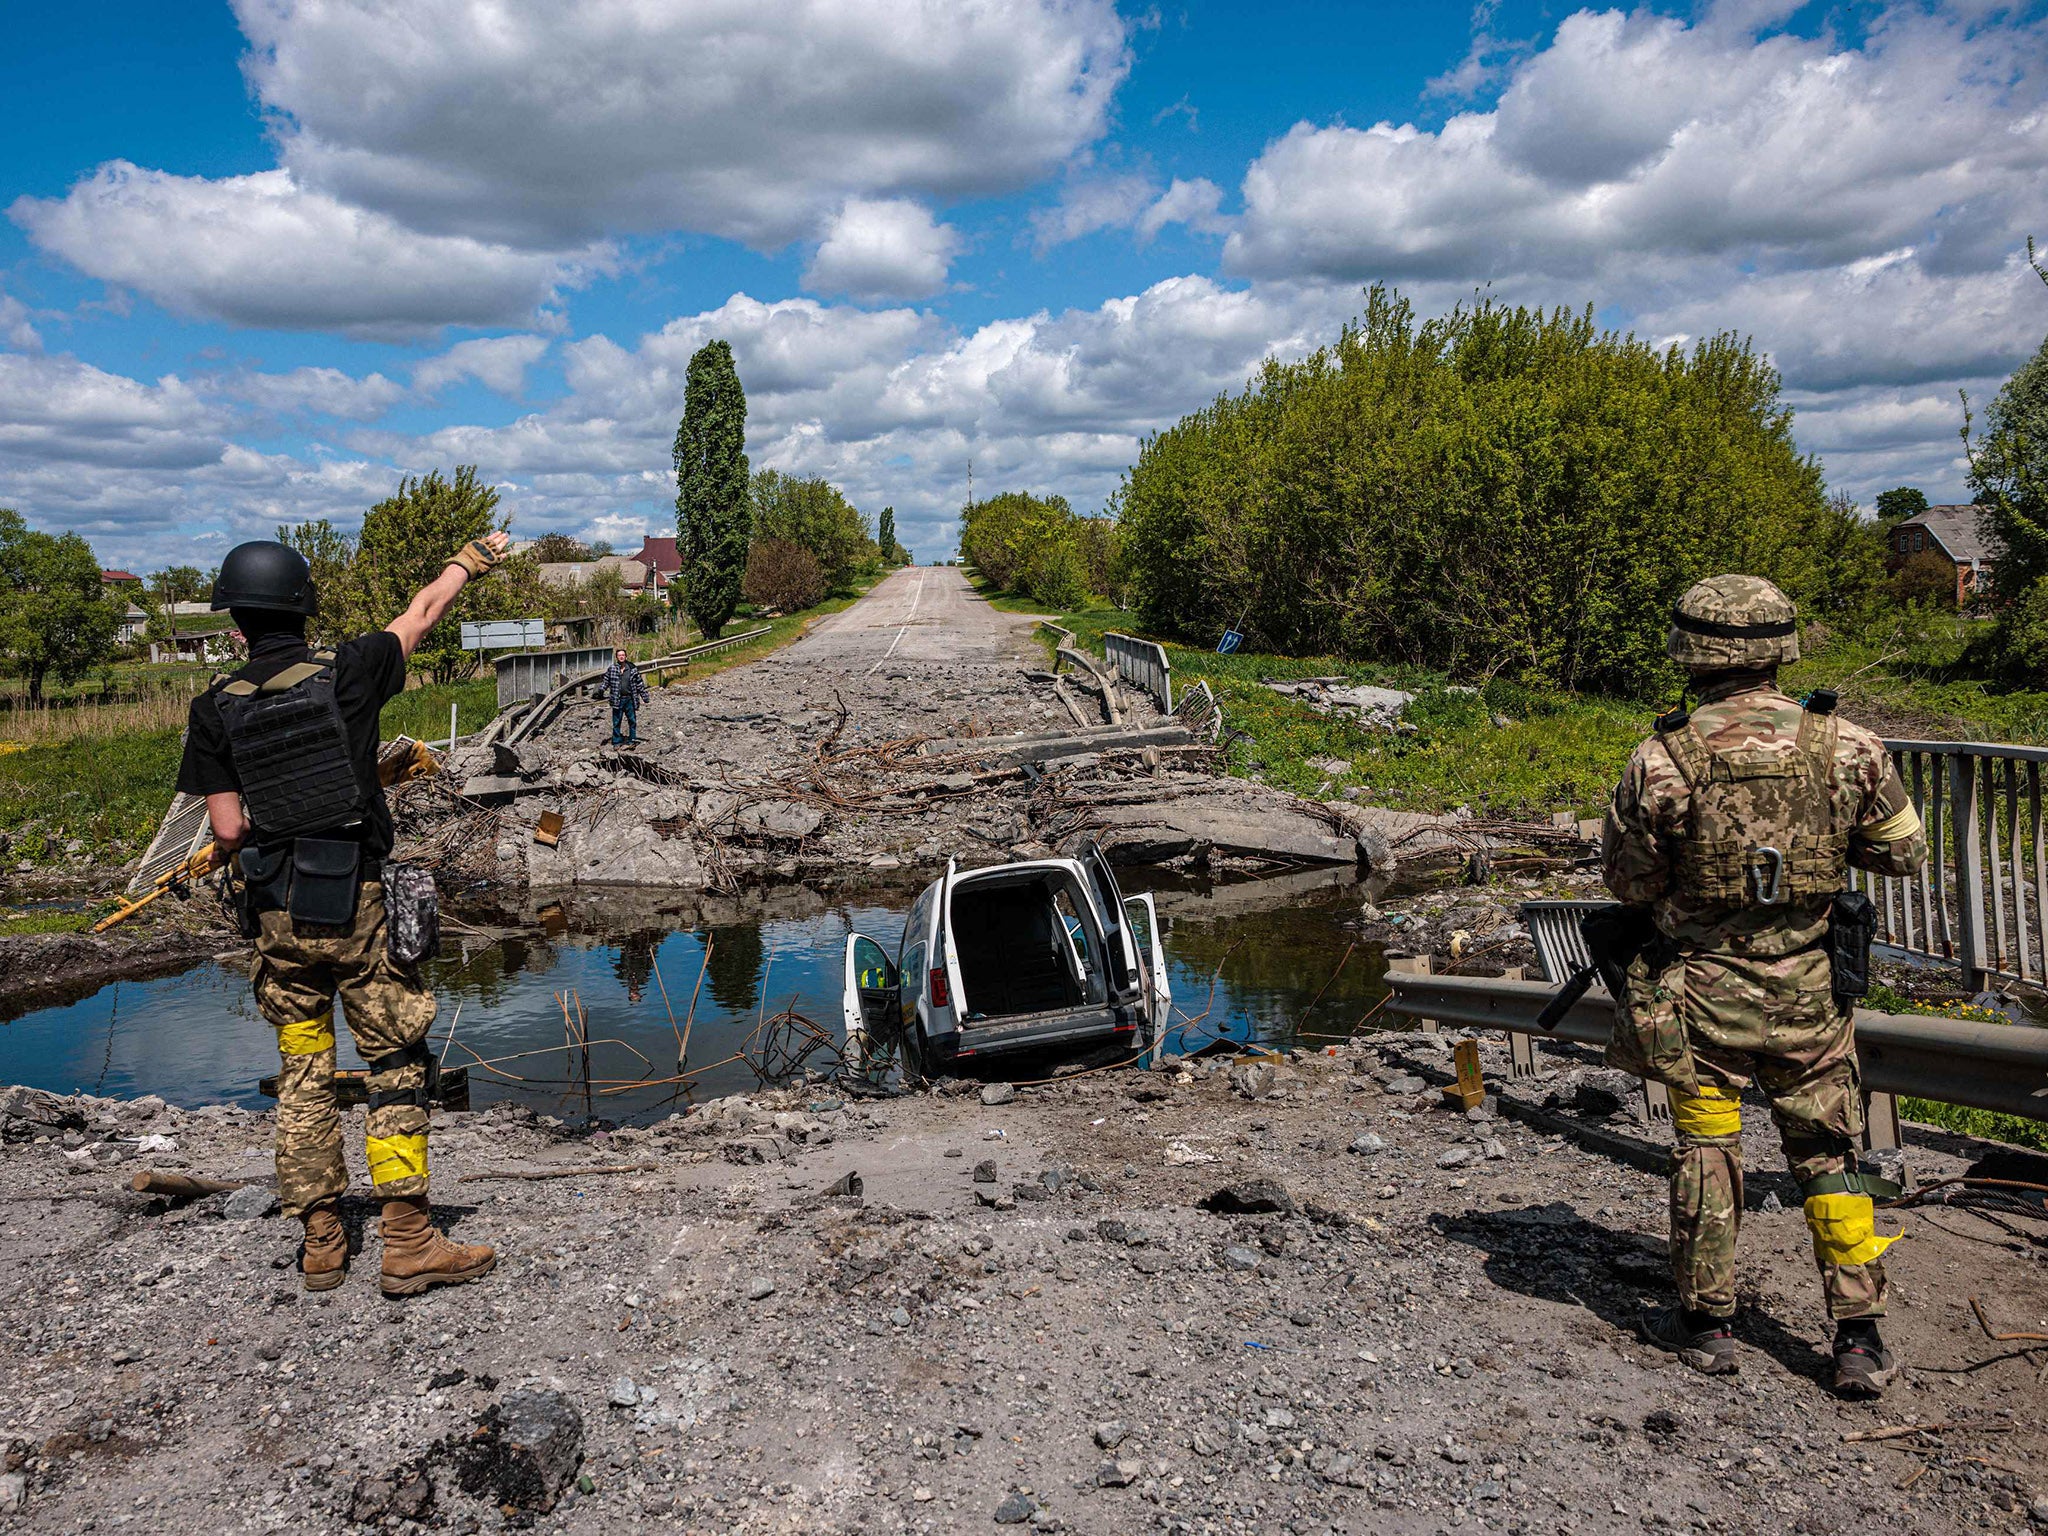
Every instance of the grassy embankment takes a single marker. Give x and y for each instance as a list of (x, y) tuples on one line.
[(101, 775), (1508, 750), (1954, 1117)]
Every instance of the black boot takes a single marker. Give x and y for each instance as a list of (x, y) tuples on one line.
[(1863, 1366), (1702, 1342)]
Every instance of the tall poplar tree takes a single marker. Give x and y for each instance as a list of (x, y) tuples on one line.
[(714, 522)]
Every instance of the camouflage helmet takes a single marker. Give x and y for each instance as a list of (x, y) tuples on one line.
[(1733, 621)]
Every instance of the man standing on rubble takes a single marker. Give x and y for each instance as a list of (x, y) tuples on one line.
[(624, 689), (1738, 822), (285, 752)]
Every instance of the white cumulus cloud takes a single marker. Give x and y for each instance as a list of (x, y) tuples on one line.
[(264, 250), (554, 123), (499, 363), (883, 249)]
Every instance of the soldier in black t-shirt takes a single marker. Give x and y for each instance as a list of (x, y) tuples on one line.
[(285, 751)]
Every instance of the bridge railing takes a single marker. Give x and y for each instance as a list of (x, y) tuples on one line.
[(1981, 900), (1142, 664)]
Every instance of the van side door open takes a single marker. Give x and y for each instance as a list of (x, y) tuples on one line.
[(1120, 957), (1144, 920), (868, 999)]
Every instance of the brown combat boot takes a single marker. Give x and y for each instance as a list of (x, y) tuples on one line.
[(416, 1255), (323, 1253)]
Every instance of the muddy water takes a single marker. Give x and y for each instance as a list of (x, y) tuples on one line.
[(1255, 961)]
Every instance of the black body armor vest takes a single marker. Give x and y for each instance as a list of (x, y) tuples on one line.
[(291, 751)]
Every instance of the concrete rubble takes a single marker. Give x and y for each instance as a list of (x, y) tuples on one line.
[(1332, 1324)]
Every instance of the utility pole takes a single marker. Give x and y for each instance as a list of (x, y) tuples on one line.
[(970, 479)]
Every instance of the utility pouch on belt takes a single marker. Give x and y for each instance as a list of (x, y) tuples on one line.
[(1645, 974), (324, 882), (265, 885), (1852, 928), (412, 913)]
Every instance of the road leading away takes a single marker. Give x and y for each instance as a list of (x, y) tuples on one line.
[(920, 614)]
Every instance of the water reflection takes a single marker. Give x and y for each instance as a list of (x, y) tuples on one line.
[(1246, 961)]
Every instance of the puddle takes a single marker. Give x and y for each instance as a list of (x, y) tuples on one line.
[(1247, 961)]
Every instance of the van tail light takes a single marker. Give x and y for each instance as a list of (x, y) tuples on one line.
[(941, 996)]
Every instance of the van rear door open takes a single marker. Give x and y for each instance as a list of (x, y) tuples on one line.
[(1120, 955)]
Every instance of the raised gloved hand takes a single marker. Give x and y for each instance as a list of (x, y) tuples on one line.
[(481, 556)]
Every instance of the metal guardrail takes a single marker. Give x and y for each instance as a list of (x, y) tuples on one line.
[(1982, 898), (1198, 710), (1983, 1066), (1142, 664), (524, 675), (545, 705)]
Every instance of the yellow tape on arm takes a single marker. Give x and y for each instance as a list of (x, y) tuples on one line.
[(397, 1157), (1710, 1114), (1895, 828), (1842, 1229), (307, 1036)]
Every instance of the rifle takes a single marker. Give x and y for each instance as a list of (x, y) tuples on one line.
[(402, 759), (1614, 936)]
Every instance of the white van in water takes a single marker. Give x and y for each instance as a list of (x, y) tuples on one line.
[(1014, 957)]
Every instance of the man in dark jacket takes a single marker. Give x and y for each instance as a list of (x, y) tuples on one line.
[(624, 688), (285, 752)]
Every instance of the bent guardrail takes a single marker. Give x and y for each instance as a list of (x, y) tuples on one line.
[(1142, 664), (544, 707), (2000, 1067)]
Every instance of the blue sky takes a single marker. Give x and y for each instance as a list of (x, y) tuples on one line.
[(260, 261)]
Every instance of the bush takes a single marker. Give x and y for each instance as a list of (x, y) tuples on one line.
[(1037, 546), (1057, 575), (783, 576), (812, 515), (1924, 578), (1502, 492)]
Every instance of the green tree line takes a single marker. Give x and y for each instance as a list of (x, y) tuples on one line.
[(1040, 547), (1503, 491)]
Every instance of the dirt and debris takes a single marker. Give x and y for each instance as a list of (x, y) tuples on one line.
[(1326, 1323)]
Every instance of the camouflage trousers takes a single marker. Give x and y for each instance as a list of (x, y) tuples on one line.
[(300, 970), (1770, 1021)]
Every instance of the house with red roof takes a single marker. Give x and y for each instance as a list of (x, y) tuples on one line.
[(663, 561)]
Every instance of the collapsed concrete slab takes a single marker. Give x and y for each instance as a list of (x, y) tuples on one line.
[(1234, 818)]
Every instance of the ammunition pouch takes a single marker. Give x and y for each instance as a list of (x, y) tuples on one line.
[(326, 879), (412, 914), (1852, 929), (416, 1054)]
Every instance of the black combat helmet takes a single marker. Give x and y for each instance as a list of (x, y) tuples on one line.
[(265, 574)]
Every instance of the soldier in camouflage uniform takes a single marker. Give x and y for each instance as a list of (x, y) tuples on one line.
[(1737, 824), (285, 752)]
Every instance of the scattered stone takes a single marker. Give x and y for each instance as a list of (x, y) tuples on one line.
[(899, 1317), (1403, 1084), (1253, 1079), (1235, 1257), (760, 1288), (252, 1202), (998, 1093), (1118, 1474), (1455, 1157), (525, 1451), (1493, 1149), (623, 1393), (408, 1496), (1111, 1230), (13, 1491), (1457, 1455), (1110, 1435), (1250, 1197), (1016, 1509), (1770, 1205), (1365, 1144), (985, 1171)]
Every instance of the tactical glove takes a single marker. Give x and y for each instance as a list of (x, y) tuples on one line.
[(476, 558)]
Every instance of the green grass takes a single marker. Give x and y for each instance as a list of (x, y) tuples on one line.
[(1554, 752), (43, 920), (422, 713), (108, 793), (1914, 683), (1985, 1123)]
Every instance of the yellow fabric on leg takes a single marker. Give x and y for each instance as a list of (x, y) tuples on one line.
[(307, 1036), (1842, 1229), (397, 1157), (1709, 1114)]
